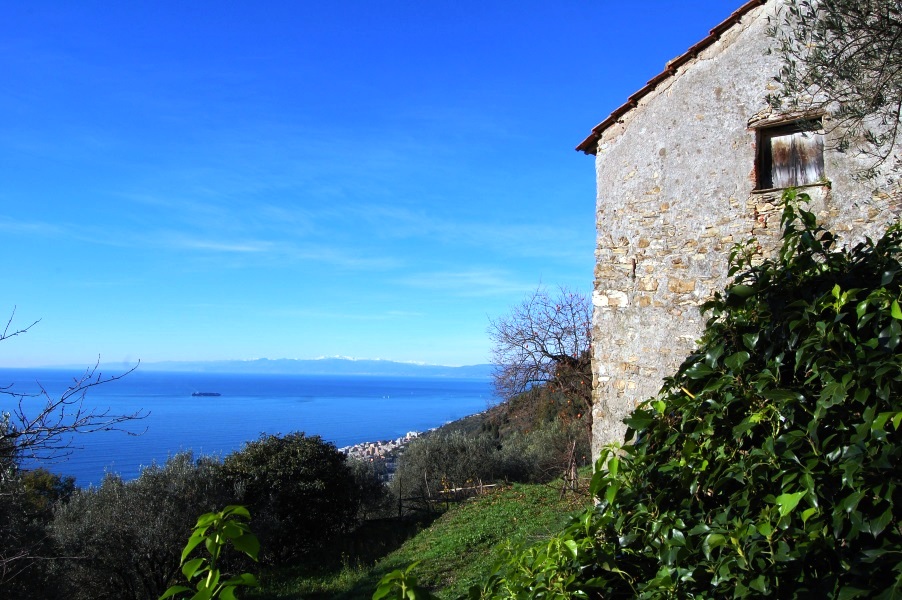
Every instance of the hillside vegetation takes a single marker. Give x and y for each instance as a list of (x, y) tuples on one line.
[(458, 550), (313, 508), (768, 466)]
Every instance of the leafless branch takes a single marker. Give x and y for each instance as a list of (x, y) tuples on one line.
[(545, 340), (8, 332), (41, 426)]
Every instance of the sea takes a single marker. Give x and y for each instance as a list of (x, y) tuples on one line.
[(344, 410)]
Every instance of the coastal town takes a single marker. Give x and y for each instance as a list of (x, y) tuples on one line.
[(381, 450)]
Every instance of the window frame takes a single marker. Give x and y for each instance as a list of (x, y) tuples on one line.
[(798, 169)]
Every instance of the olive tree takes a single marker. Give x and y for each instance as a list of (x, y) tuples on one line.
[(433, 466), (844, 57), (124, 539), (27, 503)]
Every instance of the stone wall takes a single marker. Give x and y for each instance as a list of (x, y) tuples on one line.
[(676, 179)]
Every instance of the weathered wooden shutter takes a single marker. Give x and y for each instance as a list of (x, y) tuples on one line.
[(791, 155)]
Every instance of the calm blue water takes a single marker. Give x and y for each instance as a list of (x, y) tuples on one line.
[(343, 410)]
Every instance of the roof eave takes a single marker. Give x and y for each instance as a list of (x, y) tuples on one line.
[(590, 144)]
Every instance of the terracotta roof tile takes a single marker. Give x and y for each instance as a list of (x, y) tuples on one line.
[(589, 145)]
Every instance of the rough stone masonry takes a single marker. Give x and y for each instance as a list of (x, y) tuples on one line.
[(678, 186)]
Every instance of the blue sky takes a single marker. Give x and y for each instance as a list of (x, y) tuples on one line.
[(236, 180)]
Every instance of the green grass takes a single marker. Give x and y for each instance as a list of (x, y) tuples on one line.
[(458, 550)]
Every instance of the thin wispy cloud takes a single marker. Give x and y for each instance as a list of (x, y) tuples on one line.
[(524, 239), (372, 316), (326, 180), (471, 283), (209, 245), (38, 228)]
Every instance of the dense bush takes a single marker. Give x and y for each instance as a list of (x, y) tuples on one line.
[(543, 454), (27, 499), (369, 483), (769, 463), (443, 461), (529, 444), (124, 539), (301, 491)]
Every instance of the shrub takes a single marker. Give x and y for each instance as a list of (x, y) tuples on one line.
[(123, 539), (544, 453), (27, 500), (301, 490), (769, 463), (443, 461), (370, 488)]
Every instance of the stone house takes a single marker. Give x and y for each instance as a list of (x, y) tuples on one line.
[(691, 164)]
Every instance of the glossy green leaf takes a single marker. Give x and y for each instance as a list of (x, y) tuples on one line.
[(735, 361), (247, 543), (788, 502), (699, 370), (191, 567), (849, 592), (742, 291), (174, 591), (227, 593), (639, 419)]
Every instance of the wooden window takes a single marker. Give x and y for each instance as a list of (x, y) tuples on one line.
[(790, 155)]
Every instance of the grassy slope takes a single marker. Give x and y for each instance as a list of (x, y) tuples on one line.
[(456, 551)]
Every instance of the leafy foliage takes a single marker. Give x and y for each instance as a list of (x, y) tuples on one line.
[(370, 489), (444, 461), (434, 465), (844, 55), (769, 463), (301, 489), (401, 585), (122, 539), (27, 500), (216, 530)]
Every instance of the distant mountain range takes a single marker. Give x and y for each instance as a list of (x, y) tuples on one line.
[(324, 366)]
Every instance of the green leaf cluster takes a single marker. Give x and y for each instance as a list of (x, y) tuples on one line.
[(216, 531), (302, 491), (843, 57), (769, 464), (401, 585)]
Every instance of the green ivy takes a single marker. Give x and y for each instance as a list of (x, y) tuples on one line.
[(769, 465)]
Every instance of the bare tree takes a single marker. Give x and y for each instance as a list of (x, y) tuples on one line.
[(844, 57), (545, 340), (40, 426)]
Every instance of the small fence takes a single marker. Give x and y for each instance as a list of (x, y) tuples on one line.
[(427, 503)]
